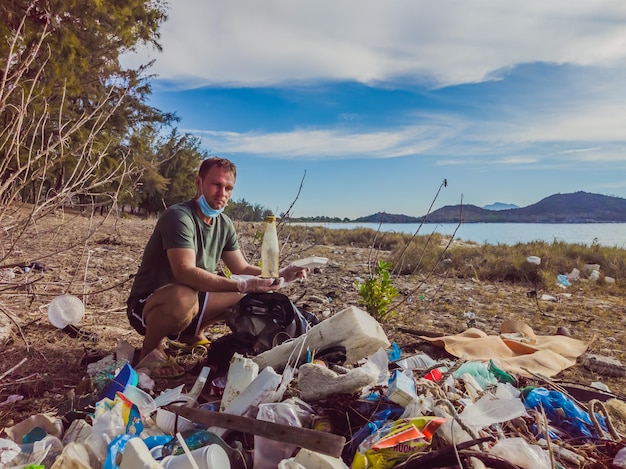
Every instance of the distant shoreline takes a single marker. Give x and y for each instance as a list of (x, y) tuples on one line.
[(611, 234)]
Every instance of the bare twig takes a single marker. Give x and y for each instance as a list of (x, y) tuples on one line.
[(12, 369), (12, 319), (441, 257), (398, 262), (287, 213)]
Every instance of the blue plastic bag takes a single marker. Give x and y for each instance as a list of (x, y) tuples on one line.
[(394, 353), (563, 412)]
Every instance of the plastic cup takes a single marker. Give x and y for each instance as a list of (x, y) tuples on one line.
[(168, 422), (207, 457), (64, 310)]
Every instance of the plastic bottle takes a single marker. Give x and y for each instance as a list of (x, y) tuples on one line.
[(269, 249)]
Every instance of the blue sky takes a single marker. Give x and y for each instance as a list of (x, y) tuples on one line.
[(380, 101)]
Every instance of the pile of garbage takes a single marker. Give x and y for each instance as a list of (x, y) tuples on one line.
[(341, 395)]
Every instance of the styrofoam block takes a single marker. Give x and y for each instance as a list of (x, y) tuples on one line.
[(137, 456), (352, 328), (318, 382), (257, 392), (312, 460), (241, 373)]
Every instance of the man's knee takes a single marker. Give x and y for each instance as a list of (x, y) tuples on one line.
[(178, 302)]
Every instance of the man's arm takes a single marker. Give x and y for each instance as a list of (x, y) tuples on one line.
[(237, 264), (183, 264)]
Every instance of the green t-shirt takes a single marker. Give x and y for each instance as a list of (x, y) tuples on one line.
[(180, 227)]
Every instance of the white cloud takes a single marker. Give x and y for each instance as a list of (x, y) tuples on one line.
[(445, 42), (327, 143)]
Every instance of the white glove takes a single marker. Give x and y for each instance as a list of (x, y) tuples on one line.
[(251, 284), (293, 272)]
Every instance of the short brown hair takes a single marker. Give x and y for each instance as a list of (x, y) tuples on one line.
[(223, 163)]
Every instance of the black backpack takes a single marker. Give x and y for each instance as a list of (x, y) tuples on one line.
[(270, 319)]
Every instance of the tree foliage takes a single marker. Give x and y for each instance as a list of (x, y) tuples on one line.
[(66, 104), (168, 168), (245, 211), (76, 126)]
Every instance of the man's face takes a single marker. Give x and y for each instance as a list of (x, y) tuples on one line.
[(217, 187)]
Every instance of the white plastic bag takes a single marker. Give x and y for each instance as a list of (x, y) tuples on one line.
[(487, 411), (268, 453), (518, 451)]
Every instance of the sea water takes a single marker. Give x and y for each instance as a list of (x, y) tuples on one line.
[(602, 234)]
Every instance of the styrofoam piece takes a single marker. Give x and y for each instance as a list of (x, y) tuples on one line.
[(352, 328), (137, 456), (311, 262), (257, 392), (318, 382), (312, 460), (241, 373)]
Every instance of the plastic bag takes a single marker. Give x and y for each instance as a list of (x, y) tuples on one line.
[(268, 453), (108, 424), (487, 411), (620, 459), (479, 371), (563, 412), (522, 454), (395, 442)]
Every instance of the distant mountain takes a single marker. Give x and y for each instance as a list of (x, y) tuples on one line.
[(382, 217), (500, 206), (579, 207)]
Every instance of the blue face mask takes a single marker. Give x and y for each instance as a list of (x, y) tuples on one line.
[(206, 209)]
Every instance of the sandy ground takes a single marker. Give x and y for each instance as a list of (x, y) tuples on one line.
[(98, 269)]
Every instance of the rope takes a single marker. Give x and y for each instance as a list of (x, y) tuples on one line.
[(592, 415)]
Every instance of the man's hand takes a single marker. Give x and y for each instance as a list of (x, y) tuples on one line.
[(258, 284), (293, 272)]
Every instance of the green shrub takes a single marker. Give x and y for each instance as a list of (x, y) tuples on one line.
[(377, 292)]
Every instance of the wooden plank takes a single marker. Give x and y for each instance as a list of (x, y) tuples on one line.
[(320, 442)]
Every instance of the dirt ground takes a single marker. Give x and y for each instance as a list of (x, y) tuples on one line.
[(99, 270)]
